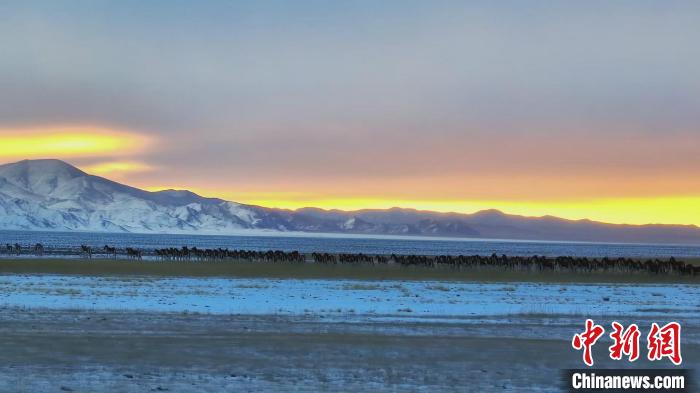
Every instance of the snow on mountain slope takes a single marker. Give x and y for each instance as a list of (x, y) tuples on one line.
[(53, 195)]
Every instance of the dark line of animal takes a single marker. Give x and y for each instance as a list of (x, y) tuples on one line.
[(16, 249), (133, 253), (38, 249), (86, 251), (532, 263), (110, 251), (519, 263), (194, 253), (13, 249)]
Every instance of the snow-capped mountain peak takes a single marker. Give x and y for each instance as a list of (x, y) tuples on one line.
[(54, 195), (40, 176)]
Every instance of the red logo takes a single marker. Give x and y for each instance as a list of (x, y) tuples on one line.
[(662, 342), (586, 340), (625, 342), (665, 342)]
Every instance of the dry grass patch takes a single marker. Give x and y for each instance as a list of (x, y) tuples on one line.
[(139, 270)]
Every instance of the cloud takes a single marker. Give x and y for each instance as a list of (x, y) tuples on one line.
[(116, 169), (403, 100), (70, 142)]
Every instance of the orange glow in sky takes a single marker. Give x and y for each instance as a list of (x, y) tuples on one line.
[(116, 168), (68, 142), (454, 106), (122, 156), (638, 211), (624, 210)]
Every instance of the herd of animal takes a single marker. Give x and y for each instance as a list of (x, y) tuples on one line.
[(17, 249), (503, 262), (221, 254), (520, 263)]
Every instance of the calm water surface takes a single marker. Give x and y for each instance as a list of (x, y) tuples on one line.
[(350, 244)]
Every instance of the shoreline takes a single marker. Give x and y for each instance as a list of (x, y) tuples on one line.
[(246, 269)]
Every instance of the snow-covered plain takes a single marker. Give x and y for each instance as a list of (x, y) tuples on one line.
[(336, 297), (136, 334)]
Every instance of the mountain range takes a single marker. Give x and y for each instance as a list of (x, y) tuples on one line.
[(56, 196)]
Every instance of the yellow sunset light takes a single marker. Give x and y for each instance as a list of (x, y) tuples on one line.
[(683, 210), (68, 142), (116, 167), (636, 211)]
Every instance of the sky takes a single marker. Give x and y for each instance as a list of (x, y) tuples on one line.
[(573, 109)]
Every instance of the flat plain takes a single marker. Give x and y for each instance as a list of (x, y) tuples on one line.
[(123, 351), (140, 333)]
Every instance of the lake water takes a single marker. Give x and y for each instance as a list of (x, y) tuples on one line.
[(337, 244)]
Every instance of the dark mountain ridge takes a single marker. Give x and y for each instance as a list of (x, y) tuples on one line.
[(53, 195)]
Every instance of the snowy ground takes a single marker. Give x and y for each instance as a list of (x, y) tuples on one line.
[(131, 334), (320, 297)]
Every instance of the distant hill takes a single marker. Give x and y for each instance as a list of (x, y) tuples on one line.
[(53, 195)]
